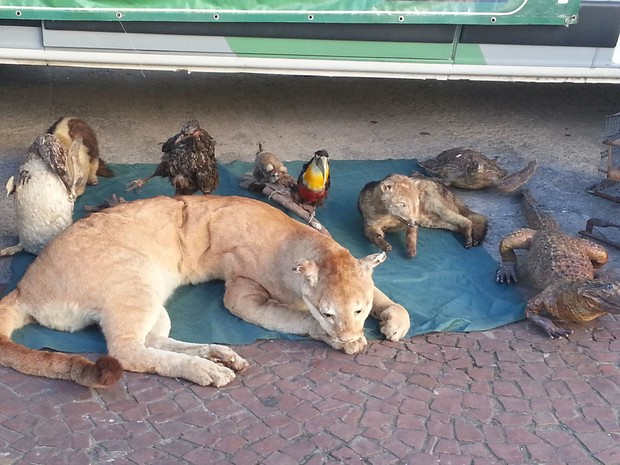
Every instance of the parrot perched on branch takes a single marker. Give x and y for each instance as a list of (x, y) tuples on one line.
[(314, 180)]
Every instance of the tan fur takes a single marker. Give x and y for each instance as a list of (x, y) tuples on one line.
[(298, 281), (401, 202), (67, 129), (268, 168)]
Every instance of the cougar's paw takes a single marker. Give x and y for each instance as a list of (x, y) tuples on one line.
[(208, 373), (225, 356), (395, 322), (412, 252)]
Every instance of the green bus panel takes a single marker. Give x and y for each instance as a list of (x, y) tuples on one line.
[(340, 50), (549, 12)]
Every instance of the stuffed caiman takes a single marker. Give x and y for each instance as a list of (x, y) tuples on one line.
[(561, 269)]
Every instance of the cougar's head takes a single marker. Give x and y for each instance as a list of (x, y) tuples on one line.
[(339, 292)]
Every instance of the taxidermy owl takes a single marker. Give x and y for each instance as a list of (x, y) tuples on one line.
[(49, 182)]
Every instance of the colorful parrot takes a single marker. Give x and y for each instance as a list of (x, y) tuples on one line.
[(314, 180)]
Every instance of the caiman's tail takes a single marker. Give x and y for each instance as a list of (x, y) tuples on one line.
[(515, 180), (536, 218), (104, 372)]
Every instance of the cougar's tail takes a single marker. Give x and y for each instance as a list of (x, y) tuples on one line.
[(104, 372), (479, 227), (104, 170), (536, 218)]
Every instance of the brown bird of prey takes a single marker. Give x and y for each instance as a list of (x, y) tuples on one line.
[(188, 162)]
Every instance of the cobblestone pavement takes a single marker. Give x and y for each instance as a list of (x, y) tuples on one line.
[(506, 396)]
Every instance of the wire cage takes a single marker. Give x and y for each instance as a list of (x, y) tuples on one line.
[(609, 164), (609, 187), (611, 156)]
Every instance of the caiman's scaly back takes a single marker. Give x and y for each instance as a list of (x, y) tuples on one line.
[(536, 218), (561, 269)]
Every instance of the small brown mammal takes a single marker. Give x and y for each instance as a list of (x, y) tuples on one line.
[(67, 129), (402, 202), (268, 168), (299, 281)]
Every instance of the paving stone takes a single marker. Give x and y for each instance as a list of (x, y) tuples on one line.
[(346, 455), (277, 458), (379, 433), (541, 452), (481, 374), (475, 450), (450, 459), (245, 457), (383, 459), (373, 418), (201, 457), (178, 448), (421, 459), (415, 407), (422, 380), (439, 429), (411, 422), (475, 401), (344, 432), (365, 447), (447, 401), (515, 404), (609, 456), (572, 453), (611, 425), (381, 406), (444, 447), (509, 453), (453, 379), (467, 432), (582, 425)]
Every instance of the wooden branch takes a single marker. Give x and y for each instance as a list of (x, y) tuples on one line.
[(281, 194)]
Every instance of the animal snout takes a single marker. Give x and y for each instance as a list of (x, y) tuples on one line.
[(407, 221), (347, 333)]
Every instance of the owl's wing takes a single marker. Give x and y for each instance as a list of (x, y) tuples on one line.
[(76, 177), (10, 186)]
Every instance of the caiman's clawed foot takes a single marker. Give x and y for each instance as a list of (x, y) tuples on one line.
[(549, 327), (507, 273)]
